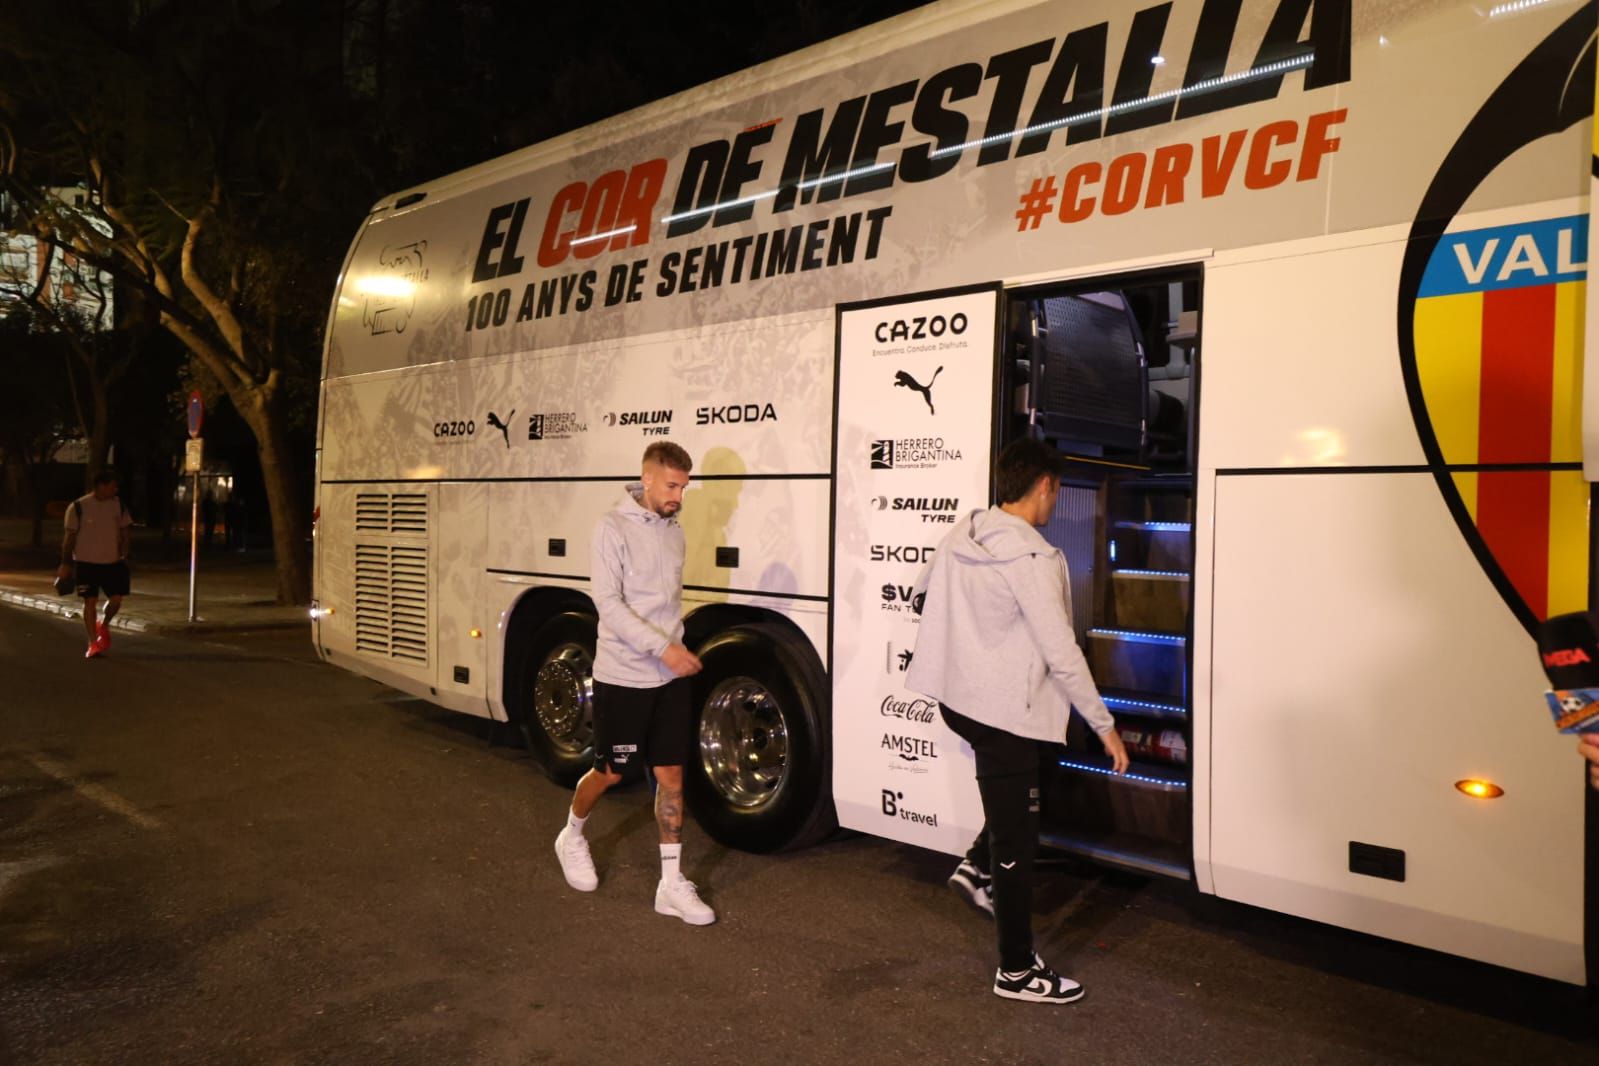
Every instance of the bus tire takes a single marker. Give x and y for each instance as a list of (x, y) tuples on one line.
[(554, 695), (762, 780)]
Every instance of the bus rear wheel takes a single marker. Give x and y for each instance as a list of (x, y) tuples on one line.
[(555, 690), (762, 779)]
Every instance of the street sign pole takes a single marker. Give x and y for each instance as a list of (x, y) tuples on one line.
[(194, 542), (193, 459)]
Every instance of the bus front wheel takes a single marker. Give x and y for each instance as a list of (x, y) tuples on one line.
[(555, 690), (762, 778)]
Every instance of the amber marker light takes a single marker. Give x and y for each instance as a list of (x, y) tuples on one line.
[(1477, 789), (474, 633)]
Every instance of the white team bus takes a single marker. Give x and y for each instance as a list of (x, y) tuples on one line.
[(1297, 286)]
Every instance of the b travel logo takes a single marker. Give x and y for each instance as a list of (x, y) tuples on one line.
[(555, 425), (893, 805), (897, 659), (912, 453), (1491, 341), (648, 423)]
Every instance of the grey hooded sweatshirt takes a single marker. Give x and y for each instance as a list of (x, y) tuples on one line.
[(995, 640), (637, 582)]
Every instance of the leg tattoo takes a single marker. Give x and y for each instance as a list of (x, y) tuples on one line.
[(669, 813)]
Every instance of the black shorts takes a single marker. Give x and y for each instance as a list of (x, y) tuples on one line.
[(93, 579), (998, 753), (651, 724)]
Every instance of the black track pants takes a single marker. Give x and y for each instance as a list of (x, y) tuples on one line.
[(1010, 805), (1007, 778)]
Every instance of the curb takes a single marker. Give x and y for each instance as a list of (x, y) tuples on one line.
[(132, 623), (67, 609)]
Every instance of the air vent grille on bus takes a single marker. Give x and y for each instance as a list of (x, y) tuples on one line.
[(400, 512), (391, 601)]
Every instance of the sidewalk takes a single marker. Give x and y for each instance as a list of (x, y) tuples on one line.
[(234, 590)]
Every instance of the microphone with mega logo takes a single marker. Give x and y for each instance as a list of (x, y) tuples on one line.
[(1569, 647)]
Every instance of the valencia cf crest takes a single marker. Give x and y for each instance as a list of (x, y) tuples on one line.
[(1491, 337)]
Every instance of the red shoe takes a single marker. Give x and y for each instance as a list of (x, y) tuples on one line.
[(95, 651), (102, 635)]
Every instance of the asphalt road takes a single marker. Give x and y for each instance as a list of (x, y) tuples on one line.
[(224, 851)]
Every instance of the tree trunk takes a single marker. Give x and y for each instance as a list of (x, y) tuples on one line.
[(291, 527)]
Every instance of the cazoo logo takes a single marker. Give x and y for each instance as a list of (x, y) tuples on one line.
[(454, 430), (920, 328)]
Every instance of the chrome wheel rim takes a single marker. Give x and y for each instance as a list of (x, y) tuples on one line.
[(744, 743), (563, 694)]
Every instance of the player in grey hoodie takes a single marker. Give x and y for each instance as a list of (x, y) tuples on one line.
[(641, 696), (995, 647)]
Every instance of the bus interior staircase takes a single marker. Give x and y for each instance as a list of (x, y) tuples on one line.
[(1129, 547)]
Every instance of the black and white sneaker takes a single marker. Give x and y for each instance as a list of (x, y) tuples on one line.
[(973, 886), (1037, 985)]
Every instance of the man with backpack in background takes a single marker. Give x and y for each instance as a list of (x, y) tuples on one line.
[(94, 555)]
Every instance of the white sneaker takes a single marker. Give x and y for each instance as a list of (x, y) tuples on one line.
[(576, 864), (1037, 985), (679, 899)]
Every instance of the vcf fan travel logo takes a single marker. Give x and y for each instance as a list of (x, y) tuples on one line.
[(1490, 336)]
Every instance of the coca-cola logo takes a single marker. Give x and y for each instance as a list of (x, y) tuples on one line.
[(917, 710)]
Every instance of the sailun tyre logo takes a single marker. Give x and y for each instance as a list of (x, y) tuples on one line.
[(932, 510), (650, 423), (1490, 338)]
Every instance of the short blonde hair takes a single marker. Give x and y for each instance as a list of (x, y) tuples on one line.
[(666, 453)]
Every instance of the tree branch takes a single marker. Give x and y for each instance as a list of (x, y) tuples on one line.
[(226, 321)]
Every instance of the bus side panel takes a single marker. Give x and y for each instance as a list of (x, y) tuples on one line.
[(458, 578), (1362, 665), (778, 528), (1360, 659)]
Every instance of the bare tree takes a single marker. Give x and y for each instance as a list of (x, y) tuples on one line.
[(196, 169)]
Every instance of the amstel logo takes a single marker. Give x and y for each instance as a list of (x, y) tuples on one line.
[(1491, 336)]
